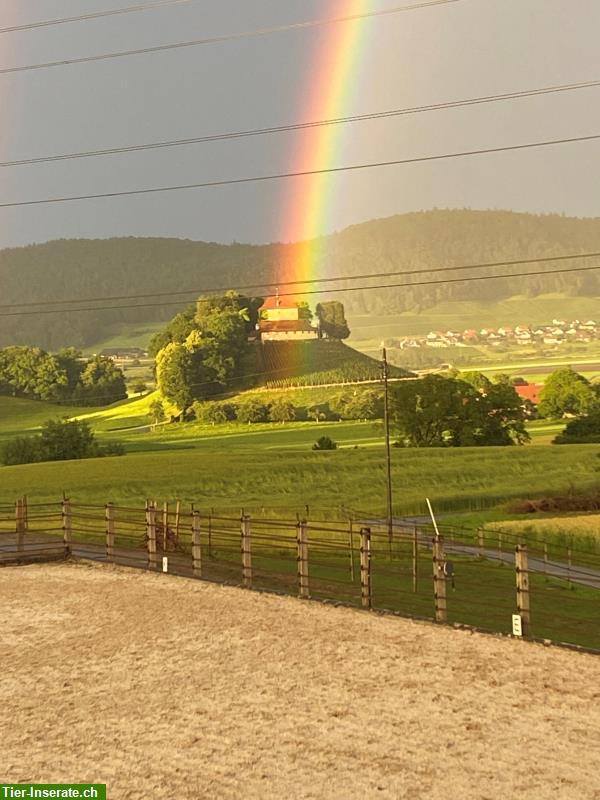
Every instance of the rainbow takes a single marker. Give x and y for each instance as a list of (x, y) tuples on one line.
[(331, 84)]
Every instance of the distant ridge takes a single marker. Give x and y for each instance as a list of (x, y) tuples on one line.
[(82, 268)]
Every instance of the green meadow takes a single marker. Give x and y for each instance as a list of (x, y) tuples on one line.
[(271, 466)]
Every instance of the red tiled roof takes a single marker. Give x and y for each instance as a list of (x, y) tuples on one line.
[(286, 325), (530, 392), (279, 302)]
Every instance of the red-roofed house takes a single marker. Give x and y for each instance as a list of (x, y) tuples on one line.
[(530, 391)]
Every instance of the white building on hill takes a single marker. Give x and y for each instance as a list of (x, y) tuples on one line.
[(281, 320)]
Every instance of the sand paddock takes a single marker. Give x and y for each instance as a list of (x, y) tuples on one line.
[(164, 687)]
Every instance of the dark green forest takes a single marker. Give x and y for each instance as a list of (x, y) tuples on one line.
[(84, 269)]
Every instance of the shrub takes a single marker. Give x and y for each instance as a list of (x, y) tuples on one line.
[(60, 440), (582, 430), (324, 443), (22, 450)]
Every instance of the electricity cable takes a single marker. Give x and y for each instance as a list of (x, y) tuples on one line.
[(300, 126), (225, 37), (97, 15), (302, 173)]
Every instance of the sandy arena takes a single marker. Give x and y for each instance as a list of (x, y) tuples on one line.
[(163, 687)]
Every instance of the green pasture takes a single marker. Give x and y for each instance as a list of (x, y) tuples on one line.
[(233, 471)]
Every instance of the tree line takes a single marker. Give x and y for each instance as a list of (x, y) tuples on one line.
[(66, 376)]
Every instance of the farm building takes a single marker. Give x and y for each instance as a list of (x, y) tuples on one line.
[(530, 391), (282, 320)]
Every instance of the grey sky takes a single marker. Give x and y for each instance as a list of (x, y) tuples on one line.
[(472, 48)]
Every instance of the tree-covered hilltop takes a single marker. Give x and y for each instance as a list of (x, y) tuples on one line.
[(424, 240), (212, 348)]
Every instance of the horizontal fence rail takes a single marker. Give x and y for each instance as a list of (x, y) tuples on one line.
[(489, 579)]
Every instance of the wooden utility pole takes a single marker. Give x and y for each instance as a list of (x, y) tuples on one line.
[(388, 454), (109, 515), (365, 567), (522, 575), (302, 543)]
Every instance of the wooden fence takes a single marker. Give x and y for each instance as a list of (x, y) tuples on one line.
[(490, 580)]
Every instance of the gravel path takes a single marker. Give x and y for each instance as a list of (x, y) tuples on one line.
[(164, 687)]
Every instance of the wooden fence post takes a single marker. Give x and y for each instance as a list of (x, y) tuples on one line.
[(439, 580), (365, 567), (545, 558), (109, 515), (151, 535), (165, 523), (522, 574), (351, 541), (480, 542), (302, 542), (19, 527), (196, 545), (415, 559), (569, 564), (67, 521), (177, 519), (246, 552)]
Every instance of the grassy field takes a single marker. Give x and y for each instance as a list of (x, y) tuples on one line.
[(231, 471), (565, 528), (273, 466)]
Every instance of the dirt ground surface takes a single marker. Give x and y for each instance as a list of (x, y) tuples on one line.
[(164, 687)]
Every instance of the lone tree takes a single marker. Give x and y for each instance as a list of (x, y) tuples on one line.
[(332, 320), (156, 412)]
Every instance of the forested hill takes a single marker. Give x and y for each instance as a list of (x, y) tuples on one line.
[(99, 268)]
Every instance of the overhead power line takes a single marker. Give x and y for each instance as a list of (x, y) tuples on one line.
[(412, 284), (314, 23), (376, 115), (302, 173), (97, 15), (284, 284)]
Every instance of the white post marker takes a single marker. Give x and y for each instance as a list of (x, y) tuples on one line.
[(437, 533), (165, 564), (517, 627)]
